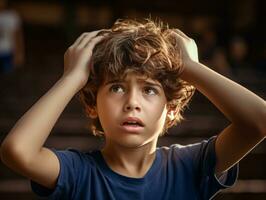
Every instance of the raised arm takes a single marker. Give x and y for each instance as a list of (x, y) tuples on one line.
[(22, 149), (245, 110)]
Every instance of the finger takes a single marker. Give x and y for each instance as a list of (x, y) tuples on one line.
[(86, 37), (84, 43), (88, 48), (91, 44), (179, 32), (104, 32), (79, 39)]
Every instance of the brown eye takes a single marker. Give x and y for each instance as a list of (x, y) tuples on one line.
[(150, 90), (116, 88)]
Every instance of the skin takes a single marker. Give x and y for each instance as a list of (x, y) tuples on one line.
[(23, 150), (129, 153)]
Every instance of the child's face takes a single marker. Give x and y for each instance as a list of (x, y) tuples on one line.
[(134, 96)]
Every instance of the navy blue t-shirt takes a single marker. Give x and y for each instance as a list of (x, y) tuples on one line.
[(178, 172)]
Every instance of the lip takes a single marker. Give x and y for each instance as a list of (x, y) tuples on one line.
[(132, 119), (130, 128)]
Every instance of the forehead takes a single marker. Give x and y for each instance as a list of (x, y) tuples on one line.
[(131, 76)]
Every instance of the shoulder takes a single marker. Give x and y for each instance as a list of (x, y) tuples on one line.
[(189, 149), (190, 155), (71, 154), (75, 167), (74, 160)]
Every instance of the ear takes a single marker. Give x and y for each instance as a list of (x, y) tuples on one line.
[(171, 114), (92, 112)]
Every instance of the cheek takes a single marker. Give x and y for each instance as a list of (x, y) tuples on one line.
[(107, 111), (155, 106), (162, 115), (156, 112), (157, 121)]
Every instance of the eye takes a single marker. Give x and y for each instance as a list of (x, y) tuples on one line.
[(150, 90), (116, 88)]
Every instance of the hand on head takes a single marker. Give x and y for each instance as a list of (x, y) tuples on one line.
[(77, 58), (187, 46)]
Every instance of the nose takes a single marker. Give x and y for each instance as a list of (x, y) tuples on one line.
[(132, 101)]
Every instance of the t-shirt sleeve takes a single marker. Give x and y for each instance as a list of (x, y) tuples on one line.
[(205, 161), (70, 164)]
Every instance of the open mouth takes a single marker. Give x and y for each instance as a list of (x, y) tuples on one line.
[(133, 123)]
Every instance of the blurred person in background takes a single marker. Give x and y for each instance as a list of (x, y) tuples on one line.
[(11, 39), (211, 53), (220, 63), (207, 45), (238, 50)]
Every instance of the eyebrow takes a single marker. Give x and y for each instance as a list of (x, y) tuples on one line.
[(139, 80)]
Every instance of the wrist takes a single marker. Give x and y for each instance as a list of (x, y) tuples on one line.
[(74, 81), (186, 71)]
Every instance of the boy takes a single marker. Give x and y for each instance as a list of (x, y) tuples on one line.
[(134, 85)]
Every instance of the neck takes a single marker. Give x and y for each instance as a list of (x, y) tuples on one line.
[(131, 162)]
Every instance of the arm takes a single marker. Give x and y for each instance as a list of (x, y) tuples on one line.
[(245, 110), (22, 150)]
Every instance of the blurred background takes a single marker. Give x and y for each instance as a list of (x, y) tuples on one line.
[(35, 34)]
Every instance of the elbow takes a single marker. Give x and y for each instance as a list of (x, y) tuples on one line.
[(11, 155), (257, 124), (4, 149), (259, 130), (260, 127), (256, 128), (7, 153)]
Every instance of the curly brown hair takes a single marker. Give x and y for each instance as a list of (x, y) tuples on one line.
[(143, 47)]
